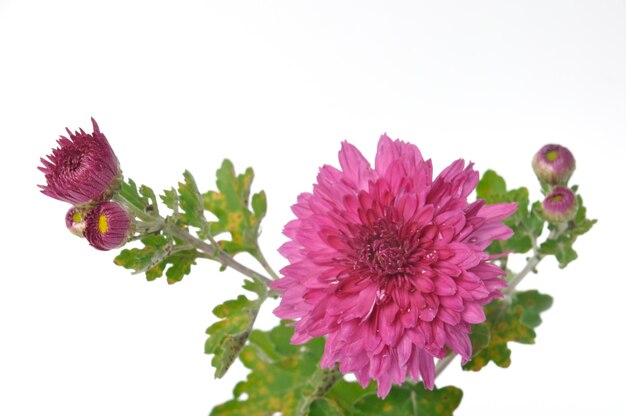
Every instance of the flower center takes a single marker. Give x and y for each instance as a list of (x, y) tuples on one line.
[(73, 161), (556, 198), (380, 249), (103, 224), (552, 155)]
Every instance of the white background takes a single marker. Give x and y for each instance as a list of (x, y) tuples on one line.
[(277, 85)]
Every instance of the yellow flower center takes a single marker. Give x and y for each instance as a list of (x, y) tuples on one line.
[(77, 217), (103, 224), (552, 155)]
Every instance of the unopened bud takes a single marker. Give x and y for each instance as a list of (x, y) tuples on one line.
[(554, 164), (560, 205), (75, 222)]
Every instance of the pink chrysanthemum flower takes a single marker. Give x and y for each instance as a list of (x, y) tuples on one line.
[(389, 264), (82, 169), (107, 226)]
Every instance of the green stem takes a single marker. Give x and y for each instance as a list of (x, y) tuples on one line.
[(320, 382), (444, 363), (218, 255), (261, 259), (212, 251)]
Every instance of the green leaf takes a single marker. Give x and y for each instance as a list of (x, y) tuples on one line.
[(344, 395), (491, 185), (581, 223), (140, 202), (480, 338), (509, 321), (191, 202), (286, 378), (180, 264), (326, 407), (562, 246), (282, 379), (154, 257), (411, 400), (170, 199), (149, 195), (526, 224), (259, 205), (228, 336), (147, 259), (231, 207)]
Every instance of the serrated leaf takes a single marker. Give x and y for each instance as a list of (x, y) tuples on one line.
[(131, 194), (180, 264), (231, 207), (562, 247), (170, 199), (228, 336), (510, 321), (259, 205), (140, 202), (526, 224), (581, 223), (281, 380), (286, 378), (149, 196), (158, 254), (411, 400), (146, 259), (190, 201)]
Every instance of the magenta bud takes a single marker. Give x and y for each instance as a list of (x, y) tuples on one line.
[(554, 164), (560, 205), (107, 226), (75, 222), (83, 169)]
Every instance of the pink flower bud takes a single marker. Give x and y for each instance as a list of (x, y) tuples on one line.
[(83, 169), (560, 205), (75, 222), (107, 226), (554, 164)]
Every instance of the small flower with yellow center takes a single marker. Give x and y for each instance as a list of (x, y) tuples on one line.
[(107, 226), (75, 222)]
